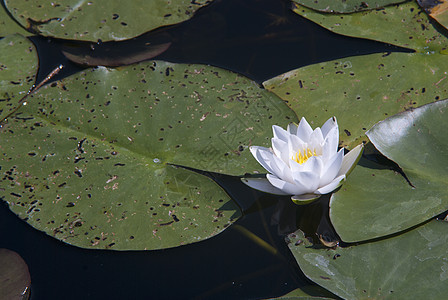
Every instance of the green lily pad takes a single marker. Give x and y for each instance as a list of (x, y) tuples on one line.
[(437, 10), (8, 25), (14, 278), (403, 25), (88, 159), (18, 69), (413, 265), (376, 202), (306, 293), (363, 90), (345, 6), (104, 20)]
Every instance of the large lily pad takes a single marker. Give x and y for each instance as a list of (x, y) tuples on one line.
[(360, 91), (87, 160), (413, 265), (345, 6), (402, 25), (104, 20), (18, 69), (377, 202), (14, 278)]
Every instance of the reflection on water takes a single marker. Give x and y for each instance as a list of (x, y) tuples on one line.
[(230, 266), (250, 259)]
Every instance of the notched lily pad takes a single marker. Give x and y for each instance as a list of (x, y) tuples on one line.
[(104, 20), (88, 160), (18, 69), (376, 202)]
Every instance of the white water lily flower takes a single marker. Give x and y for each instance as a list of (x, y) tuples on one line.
[(303, 162)]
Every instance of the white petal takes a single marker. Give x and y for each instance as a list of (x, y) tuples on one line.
[(307, 182), (331, 143), (281, 149), (330, 124), (316, 140), (276, 164), (280, 133), (288, 188), (292, 128), (295, 144), (304, 130), (262, 184), (256, 152), (331, 186), (307, 175), (313, 164), (350, 160), (331, 168)]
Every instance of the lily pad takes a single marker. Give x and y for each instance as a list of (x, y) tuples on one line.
[(413, 265), (306, 293), (402, 25), (376, 202), (345, 6), (8, 25), (437, 10), (15, 278), (95, 20), (18, 69), (88, 159), (363, 90)]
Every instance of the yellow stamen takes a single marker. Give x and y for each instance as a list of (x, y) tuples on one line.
[(302, 157)]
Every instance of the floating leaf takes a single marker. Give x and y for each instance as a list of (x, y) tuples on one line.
[(361, 91), (377, 202), (403, 25), (104, 20), (413, 265), (18, 69), (8, 25), (345, 6), (14, 278), (437, 10), (306, 293), (87, 160)]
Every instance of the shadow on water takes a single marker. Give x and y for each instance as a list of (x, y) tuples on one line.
[(257, 38), (231, 265)]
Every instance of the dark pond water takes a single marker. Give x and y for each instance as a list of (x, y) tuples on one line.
[(260, 39)]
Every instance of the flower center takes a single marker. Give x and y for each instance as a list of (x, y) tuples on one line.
[(302, 156)]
